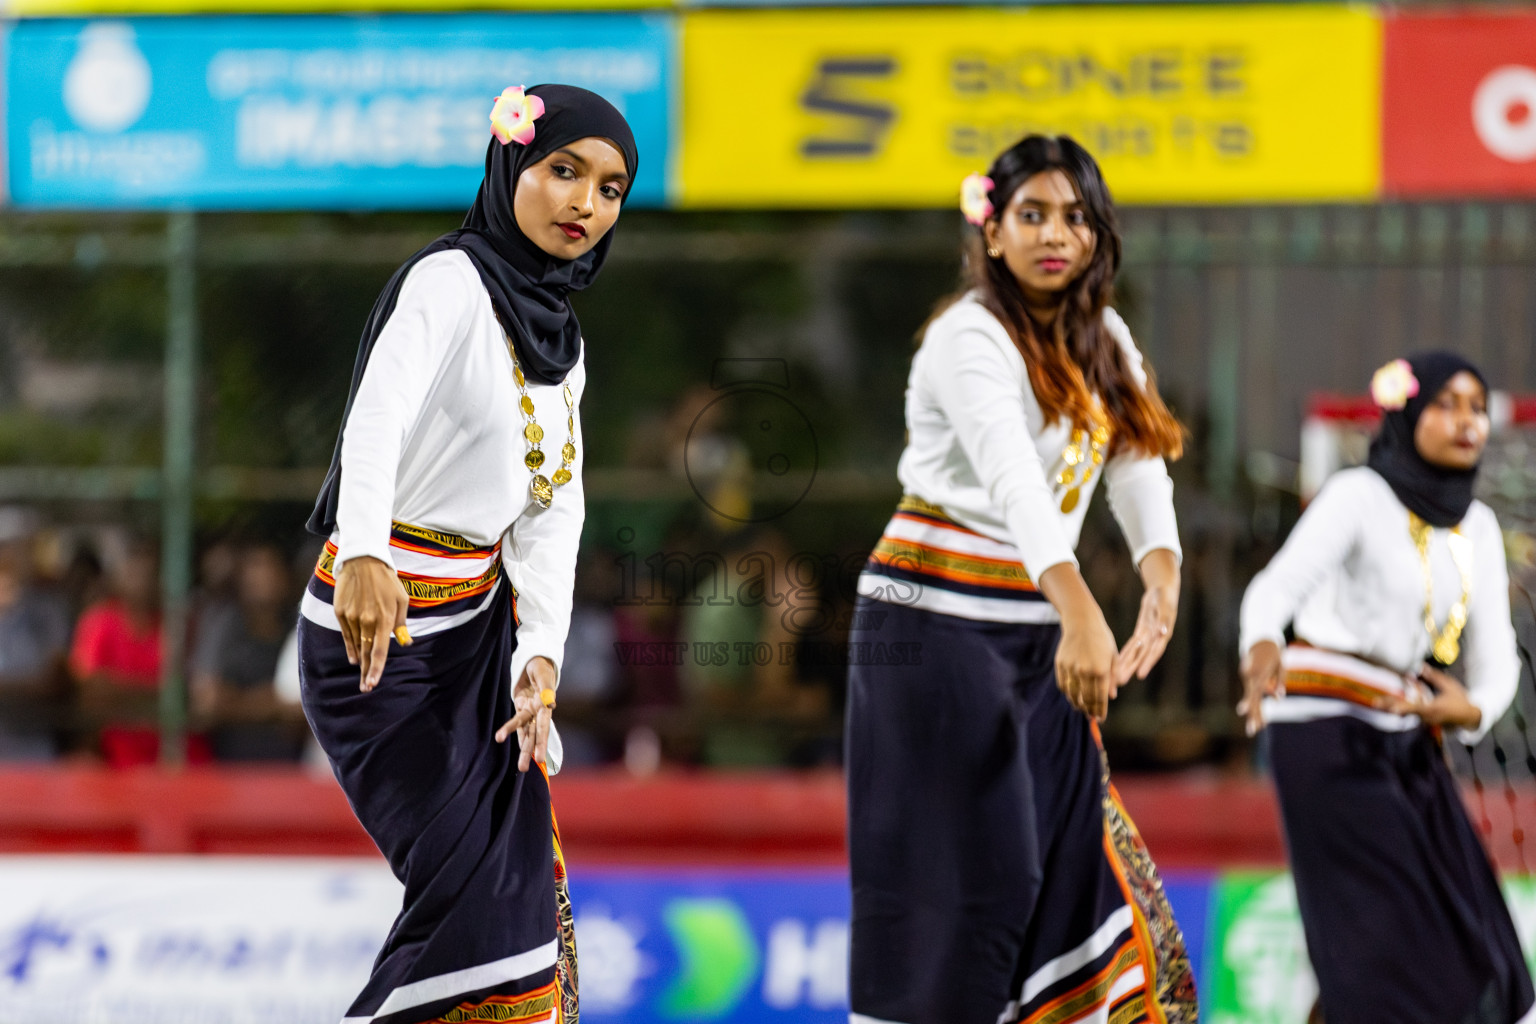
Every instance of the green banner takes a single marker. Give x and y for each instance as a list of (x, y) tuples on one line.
[(1257, 969)]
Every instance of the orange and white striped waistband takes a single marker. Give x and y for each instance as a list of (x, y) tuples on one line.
[(447, 578), (928, 560), (1320, 683)]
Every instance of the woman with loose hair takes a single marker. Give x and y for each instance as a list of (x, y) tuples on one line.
[(996, 877)]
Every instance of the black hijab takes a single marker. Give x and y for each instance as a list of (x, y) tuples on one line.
[(1437, 495), (529, 289)]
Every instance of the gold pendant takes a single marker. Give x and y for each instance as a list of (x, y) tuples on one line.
[(1447, 649), (534, 433), (543, 492), (1069, 500), (534, 459), (561, 476)]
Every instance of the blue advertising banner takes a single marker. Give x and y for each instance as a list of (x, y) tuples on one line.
[(306, 113), (746, 947)]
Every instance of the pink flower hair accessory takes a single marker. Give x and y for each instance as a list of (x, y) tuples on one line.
[(974, 201), (1393, 385), (513, 115)]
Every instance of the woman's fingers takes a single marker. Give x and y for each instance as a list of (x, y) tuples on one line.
[(1095, 689), (376, 643), (1064, 682), (1128, 658), (541, 745), (532, 739), (1074, 690), (1251, 707), (348, 634), (1440, 681), (365, 628), (1254, 718), (1141, 653), (346, 619), (1400, 706), (1153, 653), (531, 725), (1088, 690), (1145, 647), (1259, 681), (523, 712)]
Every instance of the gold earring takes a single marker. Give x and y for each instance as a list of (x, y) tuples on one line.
[(994, 253)]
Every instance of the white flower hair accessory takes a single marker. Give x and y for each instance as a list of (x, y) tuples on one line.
[(974, 201), (513, 116), (1393, 385)]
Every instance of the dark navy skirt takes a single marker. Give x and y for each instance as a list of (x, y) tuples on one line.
[(996, 876), (485, 930), (1404, 919)]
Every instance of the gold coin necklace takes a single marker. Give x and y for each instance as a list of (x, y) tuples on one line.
[(543, 487), (1445, 643), (1085, 454)]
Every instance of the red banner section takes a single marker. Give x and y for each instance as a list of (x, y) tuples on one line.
[(606, 817), (1459, 105)]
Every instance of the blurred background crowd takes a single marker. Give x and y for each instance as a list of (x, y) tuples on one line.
[(742, 425)]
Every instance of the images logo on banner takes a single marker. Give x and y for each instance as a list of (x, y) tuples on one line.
[(321, 112), (1459, 105)]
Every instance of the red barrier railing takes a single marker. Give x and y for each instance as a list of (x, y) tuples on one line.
[(674, 818), (610, 817)]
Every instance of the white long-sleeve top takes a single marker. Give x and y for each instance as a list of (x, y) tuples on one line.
[(979, 446), (435, 439), (1350, 579)]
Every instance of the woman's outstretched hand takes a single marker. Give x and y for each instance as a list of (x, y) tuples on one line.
[(370, 604), (1262, 677), (1154, 623), (1085, 658), (1448, 705), (532, 714)]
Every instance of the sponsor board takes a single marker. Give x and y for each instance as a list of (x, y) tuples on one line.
[(182, 940), (1257, 970), (892, 108), (162, 940), (1459, 105), (323, 112)]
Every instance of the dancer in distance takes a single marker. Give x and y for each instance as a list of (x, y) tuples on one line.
[(1394, 576)]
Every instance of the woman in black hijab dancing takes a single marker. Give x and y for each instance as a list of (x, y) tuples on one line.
[(1393, 576), (434, 626)]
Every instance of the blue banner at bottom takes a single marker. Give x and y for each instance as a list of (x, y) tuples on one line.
[(749, 946)]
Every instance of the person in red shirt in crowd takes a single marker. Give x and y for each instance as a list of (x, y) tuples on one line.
[(116, 658)]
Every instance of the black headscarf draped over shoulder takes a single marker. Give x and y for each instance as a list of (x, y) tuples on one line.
[(1437, 495), (529, 289)]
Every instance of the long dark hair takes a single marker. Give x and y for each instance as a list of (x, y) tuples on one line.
[(1079, 358)]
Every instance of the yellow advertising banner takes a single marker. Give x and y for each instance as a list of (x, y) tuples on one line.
[(882, 107)]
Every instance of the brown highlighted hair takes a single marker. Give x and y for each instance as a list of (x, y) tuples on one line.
[(1077, 357)]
